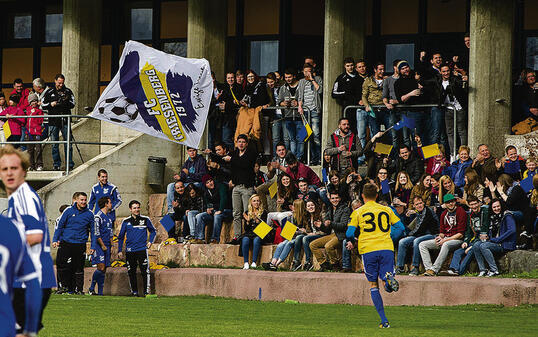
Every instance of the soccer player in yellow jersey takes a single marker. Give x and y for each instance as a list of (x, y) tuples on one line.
[(375, 245)]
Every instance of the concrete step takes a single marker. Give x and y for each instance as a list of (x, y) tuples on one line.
[(325, 288)]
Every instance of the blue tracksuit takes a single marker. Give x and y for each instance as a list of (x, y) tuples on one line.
[(136, 230), (107, 190), (74, 225), (103, 229)]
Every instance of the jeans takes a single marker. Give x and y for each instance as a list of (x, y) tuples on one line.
[(461, 265), (23, 138), (437, 134), (487, 251), (55, 135), (364, 120), (315, 141), (283, 249), (191, 218), (297, 246), (245, 245), (445, 248), (306, 246), (405, 244), (460, 128), (421, 125), (240, 196), (228, 130), (277, 131), (296, 144), (391, 117), (265, 136), (346, 256), (204, 219), (35, 151)]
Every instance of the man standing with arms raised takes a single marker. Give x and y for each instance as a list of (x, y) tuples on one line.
[(26, 211)]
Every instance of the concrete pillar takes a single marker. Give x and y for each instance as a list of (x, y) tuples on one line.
[(344, 36), (490, 68), (81, 40), (206, 37)]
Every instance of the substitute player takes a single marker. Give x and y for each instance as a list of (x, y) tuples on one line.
[(15, 263), (104, 189), (26, 211), (100, 249), (136, 228), (375, 245)]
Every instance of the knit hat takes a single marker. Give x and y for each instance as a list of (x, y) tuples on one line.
[(206, 178), (402, 64), (32, 98)]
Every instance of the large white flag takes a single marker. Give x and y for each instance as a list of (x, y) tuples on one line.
[(163, 95)]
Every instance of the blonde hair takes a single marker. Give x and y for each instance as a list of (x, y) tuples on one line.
[(464, 148), (23, 156), (408, 185), (299, 213), (442, 191), (251, 213)]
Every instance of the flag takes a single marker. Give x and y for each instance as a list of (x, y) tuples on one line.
[(385, 188), (167, 222), (262, 230), (511, 167), (324, 175), (159, 94), (273, 189), (405, 122), (7, 130), (430, 151), (382, 148), (288, 231), (305, 131), (526, 184)]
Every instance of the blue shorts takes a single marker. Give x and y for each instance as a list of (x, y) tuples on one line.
[(377, 264), (100, 256)]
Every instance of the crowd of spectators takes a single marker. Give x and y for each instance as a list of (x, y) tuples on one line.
[(42, 102)]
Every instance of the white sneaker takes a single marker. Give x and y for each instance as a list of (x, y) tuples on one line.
[(253, 265), (492, 273), (245, 266), (482, 273)]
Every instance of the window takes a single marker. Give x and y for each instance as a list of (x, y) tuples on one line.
[(22, 27), (176, 48), (531, 55), (402, 51), (263, 56), (141, 23), (53, 28)]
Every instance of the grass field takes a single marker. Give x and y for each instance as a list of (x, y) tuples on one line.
[(208, 316)]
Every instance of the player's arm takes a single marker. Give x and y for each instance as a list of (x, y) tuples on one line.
[(352, 226), (116, 199), (152, 233), (91, 203), (34, 229), (96, 234), (59, 229), (395, 221), (121, 235), (33, 295)]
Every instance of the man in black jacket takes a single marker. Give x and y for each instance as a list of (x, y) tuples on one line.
[(229, 105), (453, 92), (347, 88), (59, 101), (407, 162), (217, 208)]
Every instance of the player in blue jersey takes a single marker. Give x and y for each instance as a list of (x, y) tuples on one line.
[(375, 245), (104, 189), (135, 229), (100, 248), (26, 211), (16, 264)]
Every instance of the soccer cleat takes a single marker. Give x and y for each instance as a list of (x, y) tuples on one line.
[(384, 325), (391, 282), (91, 292)]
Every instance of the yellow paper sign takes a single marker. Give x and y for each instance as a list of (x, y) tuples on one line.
[(7, 130), (262, 230), (382, 148), (273, 189), (430, 151), (288, 231)]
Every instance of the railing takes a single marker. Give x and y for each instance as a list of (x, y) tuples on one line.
[(410, 106), (67, 142)]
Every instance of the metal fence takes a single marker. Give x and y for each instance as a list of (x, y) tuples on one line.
[(67, 142)]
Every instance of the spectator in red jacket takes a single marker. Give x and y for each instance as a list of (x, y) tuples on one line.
[(297, 170), (453, 223), (19, 90), (35, 130), (15, 124)]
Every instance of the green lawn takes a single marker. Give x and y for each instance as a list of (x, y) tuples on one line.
[(207, 316)]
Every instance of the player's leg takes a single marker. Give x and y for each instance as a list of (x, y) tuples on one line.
[(44, 302), (130, 257), (18, 302), (143, 263), (370, 262), (386, 270)]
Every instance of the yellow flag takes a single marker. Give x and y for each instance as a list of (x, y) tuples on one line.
[(382, 148), (430, 151), (288, 231), (273, 189), (7, 130), (262, 230)]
